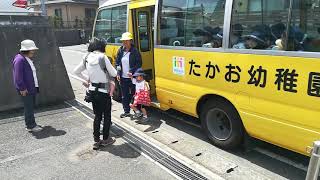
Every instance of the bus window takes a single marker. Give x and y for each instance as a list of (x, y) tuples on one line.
[(143, 31), (119, 22), (102, 29), (304, 31), (258, 24), (204, 23), (172, 21), (111, 23)]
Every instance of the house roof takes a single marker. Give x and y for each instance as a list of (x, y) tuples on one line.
[(66, 2)]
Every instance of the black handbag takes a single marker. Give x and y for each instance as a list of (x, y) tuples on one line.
[(92, 95), (88, 97)]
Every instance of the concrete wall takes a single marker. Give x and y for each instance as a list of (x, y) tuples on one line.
[(53, 78), (69, 37)]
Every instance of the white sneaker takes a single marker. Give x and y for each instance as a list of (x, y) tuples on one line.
[(35, 129)]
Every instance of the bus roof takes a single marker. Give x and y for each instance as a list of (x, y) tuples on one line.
[(113, 2)]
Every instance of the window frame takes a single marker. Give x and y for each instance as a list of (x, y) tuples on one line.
[(110, 7), (225, 44), (58, 12), (148, 29)]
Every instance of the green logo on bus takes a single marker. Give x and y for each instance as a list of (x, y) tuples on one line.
[(178, 65)]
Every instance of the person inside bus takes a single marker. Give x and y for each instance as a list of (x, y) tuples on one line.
[(201, 36), (127, 62), (296, 40), (277, 31), (259, 38), (236, 34), (210, 37), (312, 42), (216, 41), (255, 40)]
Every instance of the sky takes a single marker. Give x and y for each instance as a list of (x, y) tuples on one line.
[(7, 5)]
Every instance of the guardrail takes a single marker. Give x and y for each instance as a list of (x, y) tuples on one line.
[(314, 164)]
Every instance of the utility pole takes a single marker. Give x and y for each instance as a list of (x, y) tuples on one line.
[(43, 8)]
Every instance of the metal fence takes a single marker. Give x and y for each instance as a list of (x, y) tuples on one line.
[(58, 23)]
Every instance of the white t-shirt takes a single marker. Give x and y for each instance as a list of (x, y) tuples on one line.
[(139, 85), (34, 72), (125, 64), (95, 73)]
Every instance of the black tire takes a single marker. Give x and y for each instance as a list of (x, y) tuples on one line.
[(117, 95), (222, 124)]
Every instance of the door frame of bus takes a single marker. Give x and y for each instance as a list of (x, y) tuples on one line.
[(135, 30)]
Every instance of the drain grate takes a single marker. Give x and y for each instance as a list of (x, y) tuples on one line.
[(175, 166)]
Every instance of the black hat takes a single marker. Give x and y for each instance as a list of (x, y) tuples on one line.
[(218, 35), (139, 72), (257, 36), (212, 31), (207, 31), (277, 30)]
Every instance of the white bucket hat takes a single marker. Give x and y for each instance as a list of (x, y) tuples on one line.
[(28, 45)]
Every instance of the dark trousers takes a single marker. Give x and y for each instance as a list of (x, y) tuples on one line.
[(29, 104), (128, 90), (101, 107)]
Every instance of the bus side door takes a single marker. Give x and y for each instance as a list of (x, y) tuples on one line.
[(143, 33)]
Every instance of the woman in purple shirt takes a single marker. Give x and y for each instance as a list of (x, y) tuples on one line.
[(26, 82)]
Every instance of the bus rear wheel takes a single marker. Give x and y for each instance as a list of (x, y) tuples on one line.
[(222, 124)]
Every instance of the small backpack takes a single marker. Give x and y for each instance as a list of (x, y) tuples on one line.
[(102, 65)]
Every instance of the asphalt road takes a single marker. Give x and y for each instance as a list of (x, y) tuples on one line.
[(63, 150), (181, 133)]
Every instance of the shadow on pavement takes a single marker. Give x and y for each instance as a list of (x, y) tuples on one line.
[(47, 132), (154, 123), (124, 150), (39, 109), (247, 151)]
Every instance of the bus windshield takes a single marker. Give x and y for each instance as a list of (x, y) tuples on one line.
[(111, 23)]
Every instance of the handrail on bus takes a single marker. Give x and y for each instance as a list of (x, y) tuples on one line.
[(314, 164)]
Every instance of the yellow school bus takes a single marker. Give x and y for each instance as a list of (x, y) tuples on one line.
[(241, 66)]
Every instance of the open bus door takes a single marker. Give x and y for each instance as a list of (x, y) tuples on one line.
[(143, 27)]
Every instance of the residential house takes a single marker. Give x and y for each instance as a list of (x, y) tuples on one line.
[(69, 13)]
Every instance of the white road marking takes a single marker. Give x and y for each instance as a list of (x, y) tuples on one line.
[(282, 159), (27, 154)]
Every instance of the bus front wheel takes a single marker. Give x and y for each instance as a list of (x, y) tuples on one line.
[(222, 124)]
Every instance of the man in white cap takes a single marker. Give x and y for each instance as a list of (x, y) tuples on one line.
[(26, 82)]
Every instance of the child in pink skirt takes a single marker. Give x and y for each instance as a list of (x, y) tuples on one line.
[(141, 97)]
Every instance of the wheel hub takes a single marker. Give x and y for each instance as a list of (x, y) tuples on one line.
[(219, 124)]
